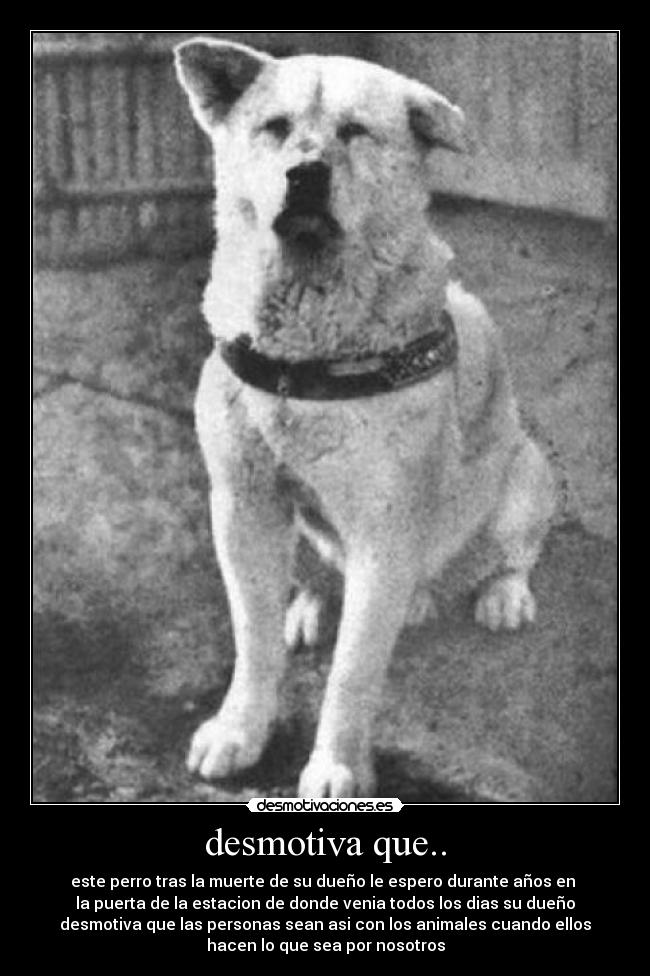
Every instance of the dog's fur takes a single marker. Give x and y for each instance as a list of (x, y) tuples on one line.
[(389, 487)]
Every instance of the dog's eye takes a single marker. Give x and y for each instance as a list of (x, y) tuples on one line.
[(351, 130), (279, 126)]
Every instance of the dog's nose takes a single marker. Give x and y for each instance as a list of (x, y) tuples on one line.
[(309, 184)]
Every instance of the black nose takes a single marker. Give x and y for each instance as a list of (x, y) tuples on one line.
[(309, 186)]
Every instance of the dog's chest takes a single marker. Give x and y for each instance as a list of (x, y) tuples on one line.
[(340, 440), (302, 434)]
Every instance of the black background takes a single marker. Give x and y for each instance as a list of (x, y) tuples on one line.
[(548, 841)]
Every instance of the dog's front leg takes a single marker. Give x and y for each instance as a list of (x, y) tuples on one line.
[(253, 540), (380, 574)]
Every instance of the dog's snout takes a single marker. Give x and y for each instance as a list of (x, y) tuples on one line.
[(309, 184), (306, 218)]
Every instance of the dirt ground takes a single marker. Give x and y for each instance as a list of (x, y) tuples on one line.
[(132, 643)]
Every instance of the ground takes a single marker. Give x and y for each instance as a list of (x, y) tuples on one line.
[(132, 642)]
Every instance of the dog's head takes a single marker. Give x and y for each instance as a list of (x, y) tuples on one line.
[(316, 152)]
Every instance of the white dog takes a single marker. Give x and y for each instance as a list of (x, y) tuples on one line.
[(355, 395)]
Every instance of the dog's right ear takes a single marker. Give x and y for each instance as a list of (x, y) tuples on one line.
[(215, 74)]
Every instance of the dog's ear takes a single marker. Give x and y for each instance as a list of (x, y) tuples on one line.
[(215, 74), (435, 122)]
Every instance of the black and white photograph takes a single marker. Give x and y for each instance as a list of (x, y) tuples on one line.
[(325, 416)]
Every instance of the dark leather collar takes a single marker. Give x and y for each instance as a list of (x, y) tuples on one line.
[(344, 379)]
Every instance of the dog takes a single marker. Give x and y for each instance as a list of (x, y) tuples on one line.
[(355, 395)]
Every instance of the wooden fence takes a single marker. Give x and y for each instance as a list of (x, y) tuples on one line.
[(118, 160), (120, 166)]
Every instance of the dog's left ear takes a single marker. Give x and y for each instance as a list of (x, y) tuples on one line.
[(215, 74), (435, 122)]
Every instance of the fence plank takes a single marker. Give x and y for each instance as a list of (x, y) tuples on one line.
[(526, 93), (499, 123)]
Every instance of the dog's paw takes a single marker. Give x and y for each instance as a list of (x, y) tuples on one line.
[(303, 619), (506, 604), (227, 743), (324, 776), (422, 608)]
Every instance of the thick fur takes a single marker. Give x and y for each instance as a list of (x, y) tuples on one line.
[(390, 487)]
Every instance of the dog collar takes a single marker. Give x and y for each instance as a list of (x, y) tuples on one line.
[(344, 379)]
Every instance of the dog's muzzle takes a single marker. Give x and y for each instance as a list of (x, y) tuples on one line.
[(306, 219)]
